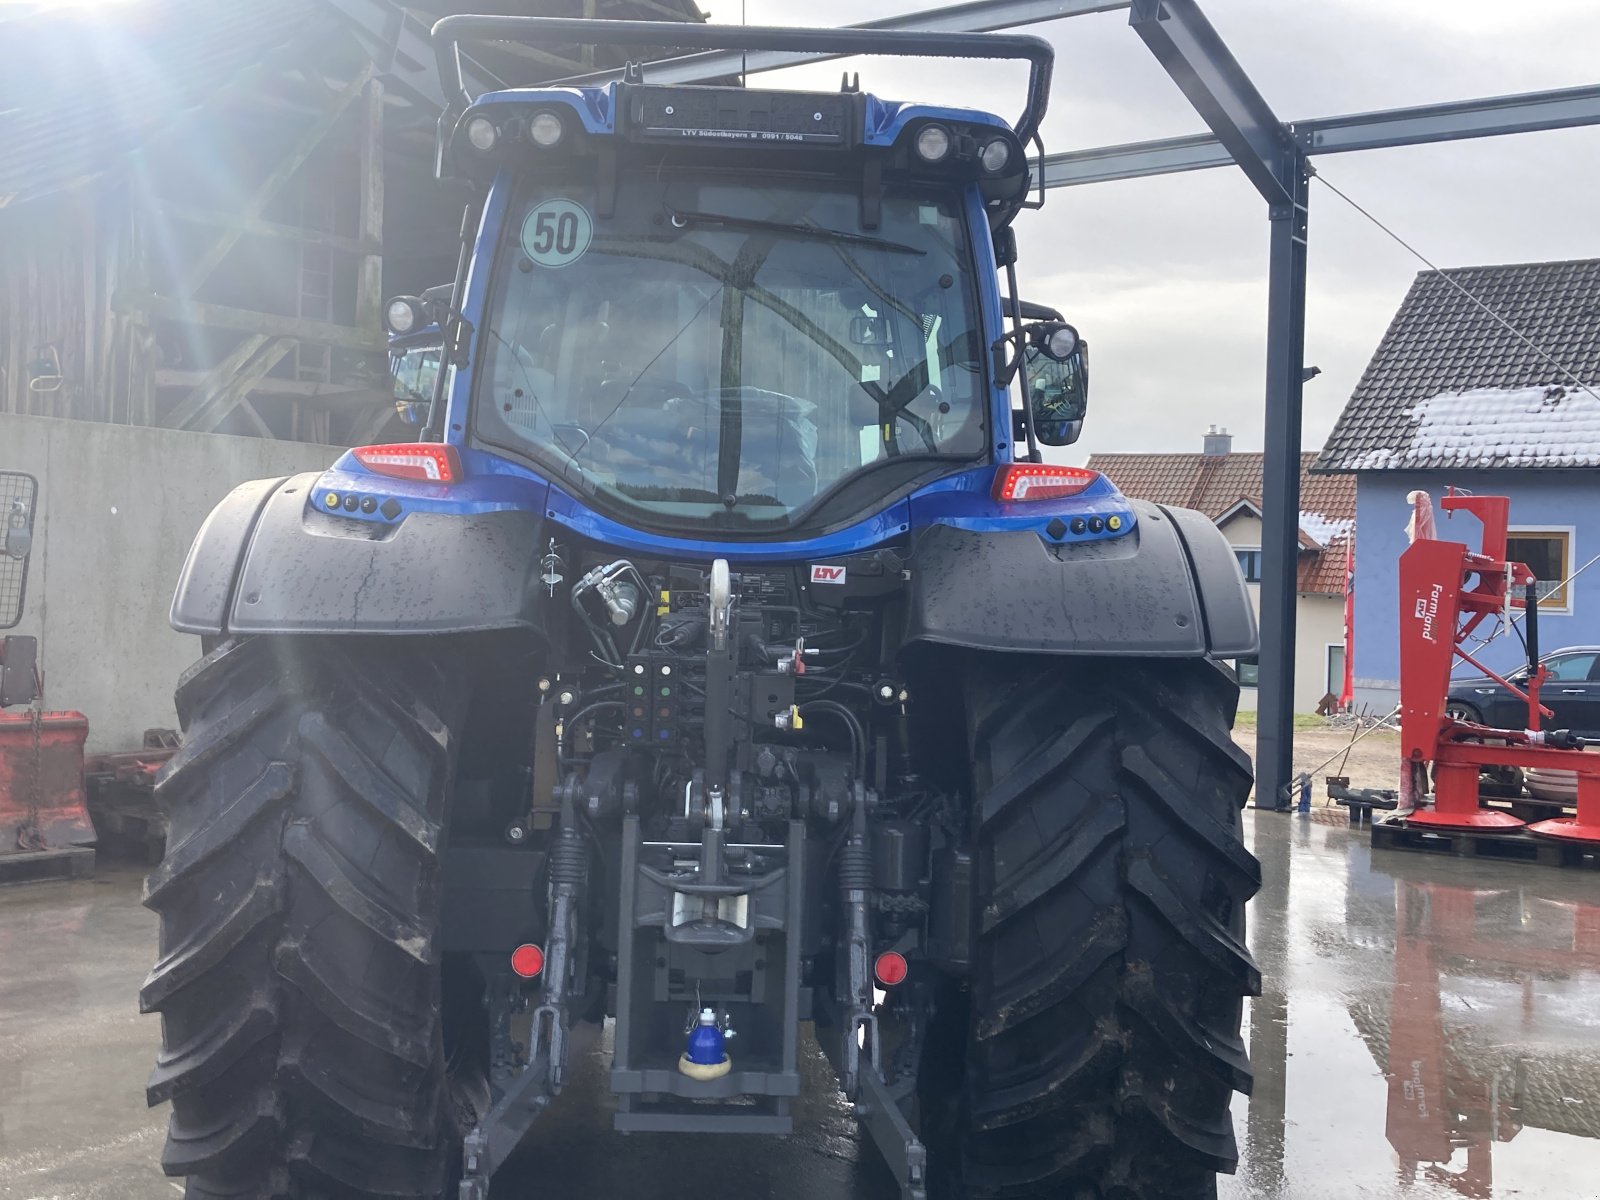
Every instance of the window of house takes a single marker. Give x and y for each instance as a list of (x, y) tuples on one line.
[(1249, 673), (1249, 562), (1548, 554)]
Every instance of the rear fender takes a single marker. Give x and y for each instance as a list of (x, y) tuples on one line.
[(1170, 588), (266, 562)]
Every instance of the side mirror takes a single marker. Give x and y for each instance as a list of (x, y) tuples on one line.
[(18, 502), (1058, 390)]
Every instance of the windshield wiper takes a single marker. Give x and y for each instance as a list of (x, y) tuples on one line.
[(682, 219)]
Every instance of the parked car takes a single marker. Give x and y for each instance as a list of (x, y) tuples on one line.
[(1572, 693)]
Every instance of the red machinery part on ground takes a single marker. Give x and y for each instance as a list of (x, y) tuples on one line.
[(41, 790), (1446, 592)]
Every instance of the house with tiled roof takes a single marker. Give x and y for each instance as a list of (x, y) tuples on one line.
[(1226, 485), (1488, 380)]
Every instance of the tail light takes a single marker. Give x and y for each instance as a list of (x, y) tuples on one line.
[(891, 968), (434, 462), (1040, 481), (527, 960)]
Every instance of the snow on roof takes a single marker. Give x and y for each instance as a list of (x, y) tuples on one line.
[(1323, 529), (1546, 426), (1452, 337)]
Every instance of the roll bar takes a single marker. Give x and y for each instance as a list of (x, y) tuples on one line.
[(450, 32)]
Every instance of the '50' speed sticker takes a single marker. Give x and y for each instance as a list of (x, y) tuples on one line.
[(557, 232)]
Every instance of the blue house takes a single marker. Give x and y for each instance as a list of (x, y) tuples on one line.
[(1488, 380)]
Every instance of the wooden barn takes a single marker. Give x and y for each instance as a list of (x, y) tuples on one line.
[(203, 204)]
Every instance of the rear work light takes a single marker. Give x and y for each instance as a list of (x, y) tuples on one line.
[(435, 462), (1040, 481)]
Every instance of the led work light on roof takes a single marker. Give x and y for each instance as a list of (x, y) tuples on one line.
[(482, 134), (546, 129), (1059, 341), (995, 156), (933, 143), (403, 315)]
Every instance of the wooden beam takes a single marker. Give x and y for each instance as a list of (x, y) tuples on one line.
[(268, 229), (366, 427), (369, 273), (194, 403), (202, 267), (243, 320), (570, 65), (233, 391), (671, 14), (297, 388), (252, 417)]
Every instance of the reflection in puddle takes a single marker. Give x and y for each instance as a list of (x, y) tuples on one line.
[(1428, 1028)]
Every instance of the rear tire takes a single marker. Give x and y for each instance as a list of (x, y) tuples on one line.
[(299, 979), (1101, 1032)]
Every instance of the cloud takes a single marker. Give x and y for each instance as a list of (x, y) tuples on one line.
[(1167, 277)]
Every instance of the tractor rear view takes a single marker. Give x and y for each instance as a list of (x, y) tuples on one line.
[(724, 657)]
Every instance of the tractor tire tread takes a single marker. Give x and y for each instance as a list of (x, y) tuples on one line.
[(298, 972), (1109, 957)]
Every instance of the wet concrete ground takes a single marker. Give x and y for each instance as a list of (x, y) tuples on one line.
[(1430, 1029)]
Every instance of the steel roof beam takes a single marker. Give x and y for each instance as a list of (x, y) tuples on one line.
[(1205, 70), (1529, 112), (1134, 160), (978, 16), (1484, 117)]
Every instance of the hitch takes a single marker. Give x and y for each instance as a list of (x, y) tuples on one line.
[(501, 1129)]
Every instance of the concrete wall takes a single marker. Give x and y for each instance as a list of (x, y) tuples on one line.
[(1556, 499), (118, 507)]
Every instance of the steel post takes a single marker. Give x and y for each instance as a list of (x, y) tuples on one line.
[(1280, 520)]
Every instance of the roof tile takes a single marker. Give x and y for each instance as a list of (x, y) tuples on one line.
[(1449, 385), (1216, 483)]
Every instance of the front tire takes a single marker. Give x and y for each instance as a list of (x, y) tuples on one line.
[(1101, 1038), (299, 978)]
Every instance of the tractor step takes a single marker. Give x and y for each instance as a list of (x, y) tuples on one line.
[(1392, 834), (32, 866)]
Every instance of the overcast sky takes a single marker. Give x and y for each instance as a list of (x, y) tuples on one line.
[(1166, 277)]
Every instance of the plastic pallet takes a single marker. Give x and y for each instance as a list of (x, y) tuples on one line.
[(1501, 847), (29, 866)]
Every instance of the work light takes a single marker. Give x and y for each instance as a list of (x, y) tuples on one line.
[(933, 143)]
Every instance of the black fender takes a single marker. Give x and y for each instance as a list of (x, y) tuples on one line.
[(264, 562), (1171, 588)]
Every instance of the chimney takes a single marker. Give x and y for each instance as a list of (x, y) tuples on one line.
[(1218, 442)]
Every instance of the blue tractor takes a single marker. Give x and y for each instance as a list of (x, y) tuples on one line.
[(724, 659)]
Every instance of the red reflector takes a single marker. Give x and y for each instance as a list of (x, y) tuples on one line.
[(435, 462), (1040, 481), (891, 968), (527, 960)]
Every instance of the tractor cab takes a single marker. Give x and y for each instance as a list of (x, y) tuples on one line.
[(706, 311)]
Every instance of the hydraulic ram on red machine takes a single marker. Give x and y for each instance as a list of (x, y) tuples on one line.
[(1446, 592)]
